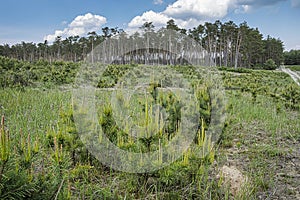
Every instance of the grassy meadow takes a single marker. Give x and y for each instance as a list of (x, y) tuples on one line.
[(42, 156), (294, 67)]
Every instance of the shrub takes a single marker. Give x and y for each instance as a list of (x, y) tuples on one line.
[(270, 64)]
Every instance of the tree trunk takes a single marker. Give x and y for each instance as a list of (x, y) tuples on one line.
[(237, 48)]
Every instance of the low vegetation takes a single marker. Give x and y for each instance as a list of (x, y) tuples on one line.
[(42, 156), (294, 67)]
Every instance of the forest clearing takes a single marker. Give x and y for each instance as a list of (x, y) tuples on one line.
[(212, 113), (42, 155)]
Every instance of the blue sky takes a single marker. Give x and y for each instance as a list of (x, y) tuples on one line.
[(37, 20)]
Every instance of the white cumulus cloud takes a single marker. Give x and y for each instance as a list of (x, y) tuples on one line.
[(186, 13), (190, 13), (198, 9), (188, 23), (81, 25), (158, 19)]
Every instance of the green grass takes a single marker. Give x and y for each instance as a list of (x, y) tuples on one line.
[(294, 67), (262, 132), (33, 111), (47, 152), (48, 160)]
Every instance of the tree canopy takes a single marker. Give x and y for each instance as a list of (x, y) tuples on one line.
[(292, 57), (227, 44)]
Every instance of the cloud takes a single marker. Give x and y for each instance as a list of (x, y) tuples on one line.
[(198, 9), (158, 19), (158, 2), (81, 25), (188, 23), (186, 13), (191, 13)]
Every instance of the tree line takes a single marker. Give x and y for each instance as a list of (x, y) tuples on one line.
[(73, 48), (227, 44), (292, 57)]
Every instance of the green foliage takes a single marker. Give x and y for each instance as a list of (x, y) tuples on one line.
[(292, 57), (16, 170), (4, 143), (233, 44), (258, 82), (163, 132), (109, 125), (270, 64), (294, 67), (237, 70), (16, 73), (205, 108), (112, 74), (255, 126), (42, 156)]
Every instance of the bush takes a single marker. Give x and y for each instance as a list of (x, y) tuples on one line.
[(270, 64), (15, 73)]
